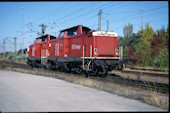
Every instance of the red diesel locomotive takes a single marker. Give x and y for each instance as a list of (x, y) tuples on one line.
[(77, 49)]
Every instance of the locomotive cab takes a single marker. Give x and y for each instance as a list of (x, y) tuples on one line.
[(39, 51)]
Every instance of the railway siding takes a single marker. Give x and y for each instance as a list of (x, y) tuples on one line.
[(146, 72), (150, 69)]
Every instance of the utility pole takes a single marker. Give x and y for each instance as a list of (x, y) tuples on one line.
[(43, 29), (107, 25), (99, 24), (141, 19), (22, 35), (15, 47), (4, 49)]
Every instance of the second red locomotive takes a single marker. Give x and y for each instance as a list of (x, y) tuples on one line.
[(77, 49)]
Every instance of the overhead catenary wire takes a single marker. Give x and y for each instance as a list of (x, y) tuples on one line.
[(87, 13), (79, 14), (134, 14)]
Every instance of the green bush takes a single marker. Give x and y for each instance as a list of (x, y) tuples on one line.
[(19, 57), (10, 56), (162, 60)]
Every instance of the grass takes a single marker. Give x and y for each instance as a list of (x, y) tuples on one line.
[(147, 96), (154, 98)]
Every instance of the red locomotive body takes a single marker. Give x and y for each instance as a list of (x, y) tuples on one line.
[(78, 49), (34, 49), (39, 50)]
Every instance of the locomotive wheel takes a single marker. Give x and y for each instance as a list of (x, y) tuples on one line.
[(43, 66), (122, 67), (68, 70), (116, 67), (86, 74), (61, 70), (105, 71), (96, 71), (79, 70), (68, 67)]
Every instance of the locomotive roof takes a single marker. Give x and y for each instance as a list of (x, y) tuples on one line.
[(45, 35), (75, 27)]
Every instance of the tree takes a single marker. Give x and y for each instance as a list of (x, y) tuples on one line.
[(147, 37), (144, 47), (155, 45), (128, 30), (125, 51), (164, 35), (137, 47), (148, 47), (162, 60), (120, 41)]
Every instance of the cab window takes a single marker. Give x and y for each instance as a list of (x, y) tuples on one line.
[(52, 37), (61, 34), (72, 32), (86, 30), (43, 39), (36, 41)]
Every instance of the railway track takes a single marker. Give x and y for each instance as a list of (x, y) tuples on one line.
[(15, 65), (112, 78), (147, 85), (150, 69), (148, 73), (155, 86)]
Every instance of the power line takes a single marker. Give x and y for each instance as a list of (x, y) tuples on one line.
[(40, 18), (134, 14), (90, 12), (77, 3), (45, 16), (82, 14), (103, 6), (71, 14), (146, 22), (138, 17)]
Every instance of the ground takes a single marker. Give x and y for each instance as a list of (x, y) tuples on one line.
[(22, 92)]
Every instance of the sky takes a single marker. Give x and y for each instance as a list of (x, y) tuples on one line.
[(61, 15)]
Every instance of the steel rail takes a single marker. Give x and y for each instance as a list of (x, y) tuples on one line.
[(156, 74)]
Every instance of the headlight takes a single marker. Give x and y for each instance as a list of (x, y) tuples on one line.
[(117, 52), (95, 51), (48, 53)]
